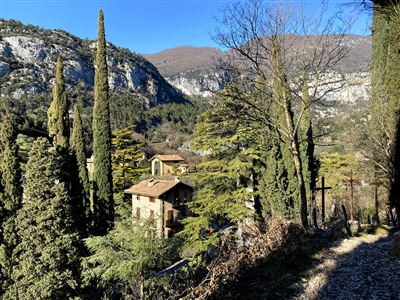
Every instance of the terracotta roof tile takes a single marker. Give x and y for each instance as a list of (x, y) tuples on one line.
[(155, 189), (168, 157)]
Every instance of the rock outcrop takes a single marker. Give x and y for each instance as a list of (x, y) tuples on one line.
[(27, 65)]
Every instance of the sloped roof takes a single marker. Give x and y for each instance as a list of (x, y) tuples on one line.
[(157, 187), (168, 157)]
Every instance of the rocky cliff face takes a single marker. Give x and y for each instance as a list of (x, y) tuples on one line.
[(356, 85), (27, 65)]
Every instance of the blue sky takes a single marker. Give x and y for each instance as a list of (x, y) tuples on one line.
[(144, 26)]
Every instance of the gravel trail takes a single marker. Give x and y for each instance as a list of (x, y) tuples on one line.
[(358, 268)]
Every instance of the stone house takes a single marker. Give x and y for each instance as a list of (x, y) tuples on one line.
[(163, 200), (170, 164)]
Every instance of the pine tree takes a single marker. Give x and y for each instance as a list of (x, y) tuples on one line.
[(47, 257), (224, 177), (125, 157), (80, 177), (121, 261), (103, 202), (58, 113), (11, 197), (125, 161)]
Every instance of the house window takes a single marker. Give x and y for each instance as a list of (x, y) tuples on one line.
[(151, 214), (152, 199), (156, 168), (138, 212)]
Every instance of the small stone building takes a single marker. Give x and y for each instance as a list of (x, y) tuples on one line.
[(171, 164), (163, 200)]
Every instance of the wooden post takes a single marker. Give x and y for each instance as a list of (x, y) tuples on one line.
[(322, 189), (351, 197)]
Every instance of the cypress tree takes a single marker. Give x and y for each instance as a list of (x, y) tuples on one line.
[(11, 195), (58, 113), (10, 169), (278, 197), (393, 97), (277, 185), (80, 177), (307, 142), (59, 132), (102, 174), (47, 261), (385, 126), (282, 112)]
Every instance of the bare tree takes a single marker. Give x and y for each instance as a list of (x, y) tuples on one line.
[(273, 48)]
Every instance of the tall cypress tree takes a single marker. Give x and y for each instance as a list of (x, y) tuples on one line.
[(11, 195), (59, 132), (392, 93), (58, 113), (103, 202), (10, 169), (385, 122), (277, 182), (47, 255), (80, 176), (277, 189), (282, 112), (307, 142)]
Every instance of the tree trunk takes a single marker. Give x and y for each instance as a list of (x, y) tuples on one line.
[(295, 149), (376, 205), (346, 221), (302, 187)]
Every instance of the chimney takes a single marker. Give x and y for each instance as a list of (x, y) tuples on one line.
[(151, 182)]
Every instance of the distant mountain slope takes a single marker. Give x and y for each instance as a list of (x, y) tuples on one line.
[(27, 61), (190, 69), (178, 60)]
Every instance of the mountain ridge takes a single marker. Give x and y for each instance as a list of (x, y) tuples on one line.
[(191, 69), (27, 64)]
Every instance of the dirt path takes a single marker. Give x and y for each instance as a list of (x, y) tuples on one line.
[(358, 268)]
